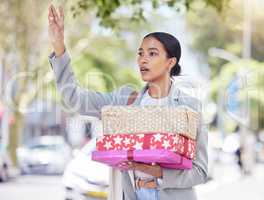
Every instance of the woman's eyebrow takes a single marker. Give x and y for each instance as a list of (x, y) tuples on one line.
[(149, 49), (153, 48)]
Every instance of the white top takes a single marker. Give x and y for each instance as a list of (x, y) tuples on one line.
[(148, 100)]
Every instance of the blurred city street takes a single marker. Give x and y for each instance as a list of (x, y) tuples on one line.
[(228, 184), (32, 187), (68, 68)]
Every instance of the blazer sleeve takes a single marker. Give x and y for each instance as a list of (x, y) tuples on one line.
[(78, 99), (198, 174)]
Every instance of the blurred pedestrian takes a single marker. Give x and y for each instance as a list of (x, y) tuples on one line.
[(248, 144), (239, 159)]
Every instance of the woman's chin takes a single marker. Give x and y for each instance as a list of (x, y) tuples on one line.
[(146, 78)]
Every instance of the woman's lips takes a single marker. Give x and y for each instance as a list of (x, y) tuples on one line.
[(144, 70)]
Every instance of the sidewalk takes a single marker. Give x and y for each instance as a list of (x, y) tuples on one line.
[(229, 184), (13, 172)]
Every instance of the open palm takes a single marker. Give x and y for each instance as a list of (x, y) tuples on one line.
[(56, 29)]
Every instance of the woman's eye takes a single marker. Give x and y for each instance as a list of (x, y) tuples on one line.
[(152, 53), (140, 53)]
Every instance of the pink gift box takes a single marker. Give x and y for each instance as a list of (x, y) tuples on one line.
[(165, 158)]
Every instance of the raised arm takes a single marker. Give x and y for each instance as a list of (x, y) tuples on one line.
[(78, 99), (56, 29)]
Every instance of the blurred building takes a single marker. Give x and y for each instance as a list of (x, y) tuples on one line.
[(44, 118), (82, 128), (48, 118)]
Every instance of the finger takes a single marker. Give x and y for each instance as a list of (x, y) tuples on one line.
[(51, 7), (61, 12), (50, 16), (123, 164), (130, 165), (55, 14)]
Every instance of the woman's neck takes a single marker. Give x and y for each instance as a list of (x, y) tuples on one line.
[(160, 88)]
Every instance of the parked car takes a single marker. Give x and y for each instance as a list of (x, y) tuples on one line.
[(84, 178), (44, 155), (5, 164)]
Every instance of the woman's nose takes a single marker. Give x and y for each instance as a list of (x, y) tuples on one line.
[(143, 59)]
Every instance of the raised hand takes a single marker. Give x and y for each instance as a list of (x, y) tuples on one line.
[(56, 29)]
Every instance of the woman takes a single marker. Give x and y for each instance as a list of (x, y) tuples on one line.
[(158, 60)]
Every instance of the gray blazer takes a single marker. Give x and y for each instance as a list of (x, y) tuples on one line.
[(176, 184)]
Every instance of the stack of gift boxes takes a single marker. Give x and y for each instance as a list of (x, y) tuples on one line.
[(150, 134)]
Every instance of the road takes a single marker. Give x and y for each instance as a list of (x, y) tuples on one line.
[(32, 188), (228, 184)]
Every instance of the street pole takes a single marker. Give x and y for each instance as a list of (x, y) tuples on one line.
[(1, 79), (248, 155), (5, 118), (247, 35), (220, 116), (5, 127), (247, 32)]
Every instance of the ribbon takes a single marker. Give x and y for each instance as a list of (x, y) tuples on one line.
[(146, 140), (130, 155)]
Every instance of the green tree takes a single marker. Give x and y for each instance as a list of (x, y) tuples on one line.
[(23, 52), (250, 75), (224, 31), (20, 36), (109, 10), (94, 52)]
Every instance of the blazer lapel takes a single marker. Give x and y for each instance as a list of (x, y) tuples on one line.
[(174, 94)]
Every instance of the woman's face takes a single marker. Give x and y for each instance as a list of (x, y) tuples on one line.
[(152, 60)]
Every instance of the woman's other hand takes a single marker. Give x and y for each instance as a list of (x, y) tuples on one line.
[(154, 170), (56, 29)]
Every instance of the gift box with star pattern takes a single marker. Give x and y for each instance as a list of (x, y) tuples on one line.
[(148, 119), (168, 141)]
